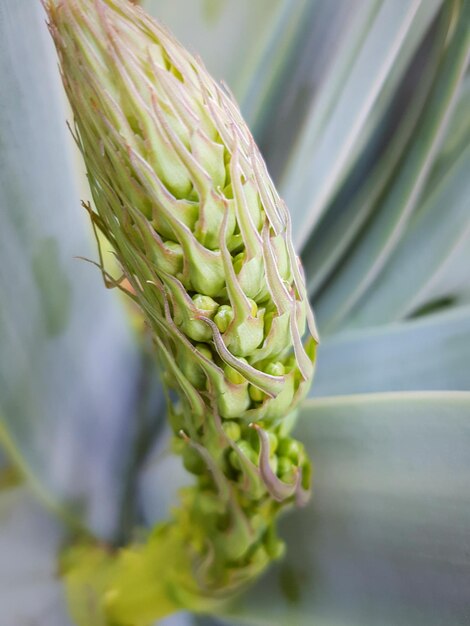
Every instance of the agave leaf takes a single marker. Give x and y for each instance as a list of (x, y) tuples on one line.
[(68, 366), (365, 262), (260, 84), (160, 479), (30, 591), (368, 64), (433, 255), (383, 540), (427, 353), (457, 135), (359, 196), (333, 35)]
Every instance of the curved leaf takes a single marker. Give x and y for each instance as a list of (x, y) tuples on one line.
[(160, 479), (359, 196), (30, 591), (427, 353), (68, 366), (363, 266), (384, 540), (370, 61), (261, 83), (433, 257)]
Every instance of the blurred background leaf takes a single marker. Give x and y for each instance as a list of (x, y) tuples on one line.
[(368, 64), (385, 537), (426, 353), (30, 590), (362, 266), (440, 230), (69, 370)]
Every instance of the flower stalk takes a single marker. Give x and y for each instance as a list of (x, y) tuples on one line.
[(182, 193)]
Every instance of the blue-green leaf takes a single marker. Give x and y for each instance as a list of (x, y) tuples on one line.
[(364, 264), (160, 479), (30, 538), (367, 64), (68, 366), (432, 260), (426, 353), (385, 538), (359, 196)]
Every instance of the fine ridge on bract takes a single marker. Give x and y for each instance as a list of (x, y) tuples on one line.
[(203, 239)]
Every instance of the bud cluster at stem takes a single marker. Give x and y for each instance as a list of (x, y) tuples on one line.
[(203, 239)]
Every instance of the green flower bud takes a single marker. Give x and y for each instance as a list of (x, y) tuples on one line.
[(252, 278), (246, 450), (184, 198), (274, 547), (256, 394), (275, 369), (291, 449), (167, 256), (273, 442), (204, 350), (233, 376), (260, 558), (232, 430), (192, 461), (223, 318), (284, 467), (258, 523), (246, 335), (233, 402), (238, 262), (205, 303), (209, 503)]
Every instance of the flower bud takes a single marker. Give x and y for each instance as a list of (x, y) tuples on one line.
[(223, 318), (232, 430), (183, 196)]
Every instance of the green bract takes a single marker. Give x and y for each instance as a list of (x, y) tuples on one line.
[(203, 239)]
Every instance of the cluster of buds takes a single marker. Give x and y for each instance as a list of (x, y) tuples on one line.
[(203, 240)]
